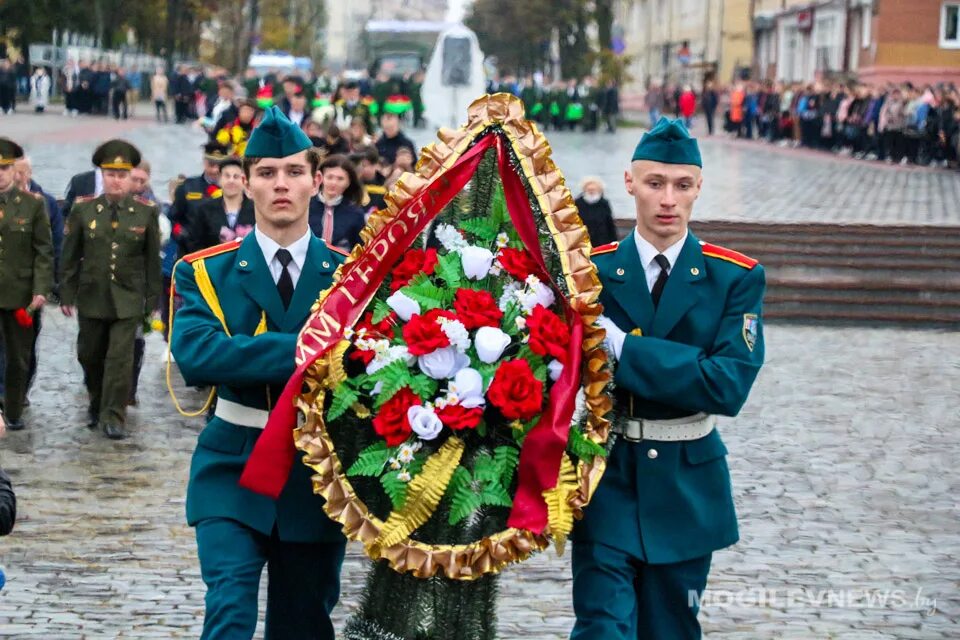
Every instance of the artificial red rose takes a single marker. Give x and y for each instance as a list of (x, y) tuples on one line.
[(549, 335), (477, 309), (391, 421), (423, 333), (458, 417), (382, 329), (23, 317), (517, 262), (414, 262), (515, 392)]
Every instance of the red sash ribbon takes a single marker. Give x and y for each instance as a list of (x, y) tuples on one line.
[(269, 465)]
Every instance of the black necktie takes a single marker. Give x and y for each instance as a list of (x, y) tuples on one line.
[(657, 290), (285, 282)]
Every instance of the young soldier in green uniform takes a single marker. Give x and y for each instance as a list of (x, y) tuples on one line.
[(26, 276), (244, 303), (110, 277), (683, 320)]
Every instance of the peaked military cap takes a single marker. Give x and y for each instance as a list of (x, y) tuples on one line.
[(116, 154), (10, 151), (215, 151), (276, 137), (669, 142)]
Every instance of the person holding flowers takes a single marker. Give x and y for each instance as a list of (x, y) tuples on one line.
[(683, 322), (26, 277), (244, 303)]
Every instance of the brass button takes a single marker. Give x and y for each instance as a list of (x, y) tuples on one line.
[(114, 245), (113, 276), (620, 271), (243, 263), (652, 454), (694, 271), (326, 265)]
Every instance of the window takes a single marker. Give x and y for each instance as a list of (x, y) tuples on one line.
[(950, 25)]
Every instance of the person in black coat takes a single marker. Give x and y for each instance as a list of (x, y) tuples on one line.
[(596, 213), (392, 138), (8, 500), (81, 185), (335, 213), (227, 217)]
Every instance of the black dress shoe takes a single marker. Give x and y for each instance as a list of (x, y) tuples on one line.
[(114, 431), (93, 420), (16, 425)]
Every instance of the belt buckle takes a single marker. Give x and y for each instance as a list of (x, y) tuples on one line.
[(639, 422)]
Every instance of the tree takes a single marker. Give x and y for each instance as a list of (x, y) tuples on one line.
[(517, 33)]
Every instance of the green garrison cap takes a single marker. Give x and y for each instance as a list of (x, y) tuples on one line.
[(116, 154), (10, 151), (276, 137), (669, 142)]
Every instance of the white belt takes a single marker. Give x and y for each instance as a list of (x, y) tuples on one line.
[(236, 413), (689, 428)]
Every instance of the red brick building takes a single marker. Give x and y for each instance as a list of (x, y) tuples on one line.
[(915, 40)]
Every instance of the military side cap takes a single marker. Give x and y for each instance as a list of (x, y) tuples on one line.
[(276, 137), (10, 151), (116, 154), (215, 151), (669, 142)]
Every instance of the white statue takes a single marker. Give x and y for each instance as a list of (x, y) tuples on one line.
[(454, 77)]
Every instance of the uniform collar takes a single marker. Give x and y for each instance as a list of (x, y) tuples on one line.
[(298, 249), (648, 252)]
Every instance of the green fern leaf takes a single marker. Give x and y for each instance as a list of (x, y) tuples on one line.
[(395, 488), (484, 229), (495, 496), (343, 398), (380, 310), (582, 447), (450, 270), (371, 461)]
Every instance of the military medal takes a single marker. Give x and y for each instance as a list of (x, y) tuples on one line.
[(93, 225)]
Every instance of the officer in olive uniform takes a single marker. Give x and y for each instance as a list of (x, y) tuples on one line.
[(684, 323), (26, 276), (244, 303), (192, 192), (110, 275)]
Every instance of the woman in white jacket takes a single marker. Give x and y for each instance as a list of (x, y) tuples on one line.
[(40, 90)]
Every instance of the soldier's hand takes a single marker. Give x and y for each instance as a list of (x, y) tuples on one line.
[(38, 301), (67, 310)]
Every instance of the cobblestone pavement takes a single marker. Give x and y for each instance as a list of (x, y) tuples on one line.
[(843, 461), (742, 180)]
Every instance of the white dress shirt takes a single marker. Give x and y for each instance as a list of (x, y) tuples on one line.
[(97, 182), (297, 249), (648, 252)]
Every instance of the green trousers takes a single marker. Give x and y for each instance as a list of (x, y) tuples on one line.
[(105, 351), (18, 342)]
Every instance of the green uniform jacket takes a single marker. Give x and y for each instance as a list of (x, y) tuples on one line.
[(250, 370), (26, 249), (700, 351), (111, 273)]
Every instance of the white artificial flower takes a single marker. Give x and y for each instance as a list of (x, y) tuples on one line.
[(555, 368), (386, 354), (502, 240), (490, 343), (443, 363), (509, 294), (403, 305), (424, 422), (536, 293), (450, 238), (394, 463), (456, 333), (405, 454), (467, 389), (404, 476), (476, 262)]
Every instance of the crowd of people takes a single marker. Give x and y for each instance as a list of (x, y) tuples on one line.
[(895, 123)]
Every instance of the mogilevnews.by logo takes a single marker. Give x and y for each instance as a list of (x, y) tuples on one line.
[(806, 598)]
